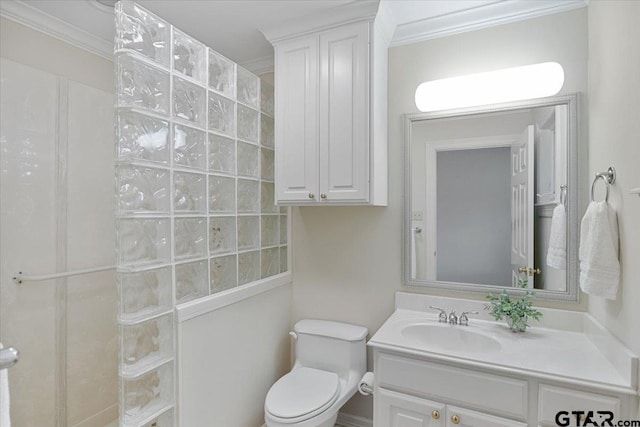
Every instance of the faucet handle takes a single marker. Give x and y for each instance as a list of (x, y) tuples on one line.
[(442, 318), (464, 319), (453, 319)]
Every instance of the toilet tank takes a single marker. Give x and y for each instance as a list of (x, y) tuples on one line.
[(331, 346)]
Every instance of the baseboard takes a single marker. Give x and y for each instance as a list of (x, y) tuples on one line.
[(348, 420)]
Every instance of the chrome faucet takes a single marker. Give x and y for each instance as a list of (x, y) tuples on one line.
[(464, 319), (453, 319), (442, 317)]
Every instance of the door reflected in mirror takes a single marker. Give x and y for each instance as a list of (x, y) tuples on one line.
[(483, 186)]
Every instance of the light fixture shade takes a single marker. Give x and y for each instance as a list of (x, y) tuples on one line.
[(509, 84)]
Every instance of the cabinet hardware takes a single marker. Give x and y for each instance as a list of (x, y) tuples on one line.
[(323, 196), (435, 415), (312, 196), (455, 419)]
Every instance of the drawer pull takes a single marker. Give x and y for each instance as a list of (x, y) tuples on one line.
[(323, 196), (435, 415), (312, 196), (455, 419)]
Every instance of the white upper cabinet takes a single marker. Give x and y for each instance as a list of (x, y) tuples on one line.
[(331, 114), (344, 124), (296, 171)]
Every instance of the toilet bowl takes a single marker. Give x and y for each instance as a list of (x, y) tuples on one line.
[(330, 360)]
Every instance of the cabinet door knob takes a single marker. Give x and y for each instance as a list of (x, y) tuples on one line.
[(455, 419), (323, 196), (312, 196), (435, 415)]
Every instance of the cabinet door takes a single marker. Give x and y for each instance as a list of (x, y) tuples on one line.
[(458, 417), (344, 113), (400, 410), (296, 127)]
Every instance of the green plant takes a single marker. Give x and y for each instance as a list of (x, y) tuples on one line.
[(516, 311)]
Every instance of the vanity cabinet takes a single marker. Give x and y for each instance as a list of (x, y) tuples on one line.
[(402, 410), (409, 387), (330, 117), (414, 392), (570, 372)]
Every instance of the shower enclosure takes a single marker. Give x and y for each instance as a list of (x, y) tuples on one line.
[(195, 195), (56, 198), (194, 216)]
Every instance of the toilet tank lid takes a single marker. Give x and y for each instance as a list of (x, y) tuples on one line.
[(327, 328)]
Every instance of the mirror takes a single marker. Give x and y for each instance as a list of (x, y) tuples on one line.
[(481, 187)]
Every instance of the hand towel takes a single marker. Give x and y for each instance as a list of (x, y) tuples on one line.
[(557, 252), (599, 265), (413, 254), (5, 417)]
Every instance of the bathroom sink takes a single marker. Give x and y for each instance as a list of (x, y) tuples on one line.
[(451, 338)]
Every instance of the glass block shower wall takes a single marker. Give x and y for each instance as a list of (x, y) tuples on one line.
[(195, 195)]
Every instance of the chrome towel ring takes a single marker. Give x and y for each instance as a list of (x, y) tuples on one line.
[(609, 177)]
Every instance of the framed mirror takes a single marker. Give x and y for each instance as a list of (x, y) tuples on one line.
[(481, 189)]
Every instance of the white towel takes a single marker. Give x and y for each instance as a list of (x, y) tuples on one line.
[(413, 253), (599, 265), (557, 252), (5, 417)]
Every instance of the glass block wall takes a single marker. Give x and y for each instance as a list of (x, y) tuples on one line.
[(195, 196)]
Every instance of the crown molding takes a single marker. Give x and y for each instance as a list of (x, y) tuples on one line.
[(477, 18), (385, 22), (259, 65), (350, 12), (31, 17)]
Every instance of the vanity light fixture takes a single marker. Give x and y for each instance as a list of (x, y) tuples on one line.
[(493, 87)]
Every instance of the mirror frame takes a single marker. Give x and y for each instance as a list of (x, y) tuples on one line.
[(571, 101)]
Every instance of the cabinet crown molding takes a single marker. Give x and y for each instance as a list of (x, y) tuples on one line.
[(352, 12)]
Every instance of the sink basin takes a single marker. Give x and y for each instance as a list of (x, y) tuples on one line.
[(451, 338)]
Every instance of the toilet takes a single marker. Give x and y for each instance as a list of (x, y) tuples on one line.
[(330, 361)]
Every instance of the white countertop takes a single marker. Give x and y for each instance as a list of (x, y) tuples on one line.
[(552, 354)]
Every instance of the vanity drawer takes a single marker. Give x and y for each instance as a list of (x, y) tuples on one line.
[(552, 400), (502, 395)]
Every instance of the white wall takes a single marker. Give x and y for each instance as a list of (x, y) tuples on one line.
[(230, 357), (614, 132), (37, 50), (347, 261), (57, 215)]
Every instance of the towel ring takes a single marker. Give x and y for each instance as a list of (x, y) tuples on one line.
[(609, 177)]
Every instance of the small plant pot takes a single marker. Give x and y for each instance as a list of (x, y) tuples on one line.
[(518, 324)]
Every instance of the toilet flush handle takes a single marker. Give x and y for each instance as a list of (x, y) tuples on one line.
[(293, 335)]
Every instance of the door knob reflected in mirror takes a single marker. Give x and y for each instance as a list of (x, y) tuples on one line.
[(529, 271)]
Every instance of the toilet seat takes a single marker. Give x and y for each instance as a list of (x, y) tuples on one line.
[(302, 393)]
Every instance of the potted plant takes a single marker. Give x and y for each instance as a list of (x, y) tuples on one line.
[(516, 312)]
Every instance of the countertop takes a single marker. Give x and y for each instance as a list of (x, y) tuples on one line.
[(552, 354)]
